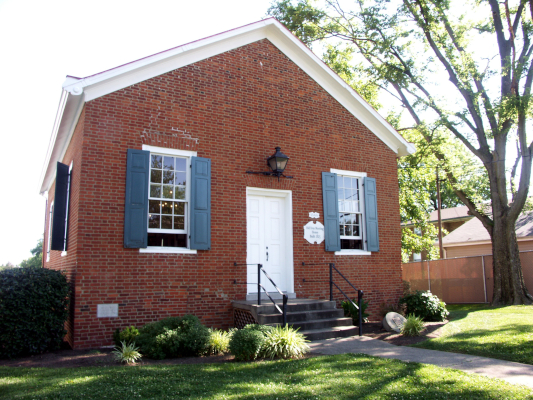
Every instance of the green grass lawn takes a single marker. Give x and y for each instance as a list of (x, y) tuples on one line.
[(503, 332), (344, 376)]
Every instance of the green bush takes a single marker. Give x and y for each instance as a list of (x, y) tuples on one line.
[(351, 311), (173, 337), (412, 326), (425, 305), (284, 343), (127, 336), (33, 310), (218, 342), (246, 344)]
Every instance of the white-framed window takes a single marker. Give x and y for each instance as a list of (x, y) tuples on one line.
[(49, 238), (168, 200), (351, 198)]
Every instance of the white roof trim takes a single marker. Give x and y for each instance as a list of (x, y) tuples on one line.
[(78, 91)]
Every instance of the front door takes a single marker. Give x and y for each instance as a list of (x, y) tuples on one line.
[(268, 228)]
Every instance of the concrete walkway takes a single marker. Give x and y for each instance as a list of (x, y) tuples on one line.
[(511, 372)]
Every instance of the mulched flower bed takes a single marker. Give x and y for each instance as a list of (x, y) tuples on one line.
[(67, 358)]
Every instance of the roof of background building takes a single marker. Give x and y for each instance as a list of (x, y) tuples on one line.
[(474, 231), (451, 213)]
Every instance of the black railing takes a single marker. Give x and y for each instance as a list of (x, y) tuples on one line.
[(332, 283), (283, 310)]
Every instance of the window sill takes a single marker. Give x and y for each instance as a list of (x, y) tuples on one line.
[(63, 254), (353, 253), (167, 250)]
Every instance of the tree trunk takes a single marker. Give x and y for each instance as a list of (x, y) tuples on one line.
[(509, 286)]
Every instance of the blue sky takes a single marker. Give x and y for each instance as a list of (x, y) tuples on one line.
[(42, 42)]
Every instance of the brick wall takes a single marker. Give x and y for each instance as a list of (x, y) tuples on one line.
[(233, 108), (68, 262)]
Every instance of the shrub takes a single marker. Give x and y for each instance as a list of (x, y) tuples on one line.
[(218, 342), (284, 343), (351, 311), (33, 310), (412, 326), (246, 344), (127, 335), (386, 308), (425, 305), (173, 337), (127, 352)]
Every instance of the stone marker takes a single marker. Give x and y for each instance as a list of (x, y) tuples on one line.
[(393, 322)]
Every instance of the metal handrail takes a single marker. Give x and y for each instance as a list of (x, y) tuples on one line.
[(260, 286), (331, 283)]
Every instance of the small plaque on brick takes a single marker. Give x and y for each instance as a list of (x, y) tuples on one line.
[(107, 311)]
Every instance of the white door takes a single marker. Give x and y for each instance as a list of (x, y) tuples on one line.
[(267, 242)]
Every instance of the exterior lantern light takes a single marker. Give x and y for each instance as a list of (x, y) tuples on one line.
[(277, 163)]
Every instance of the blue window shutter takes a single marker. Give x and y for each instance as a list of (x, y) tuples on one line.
[(136, 210), (200, 214), (371, 215), (60, 208), (331, 211)]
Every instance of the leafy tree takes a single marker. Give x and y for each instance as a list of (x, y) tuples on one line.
[(463, 71), (8, 265), (37, 259)]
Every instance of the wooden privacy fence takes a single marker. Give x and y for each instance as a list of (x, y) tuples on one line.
[(461, 280)]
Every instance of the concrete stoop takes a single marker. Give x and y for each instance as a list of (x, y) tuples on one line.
[(316, 319)]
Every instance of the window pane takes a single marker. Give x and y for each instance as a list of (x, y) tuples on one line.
[(155, 190), (339, 181), (351, 244), (168, 163), (356, 230), (166, 222), (179, 222), (168, 177), (349, 194), (155, 176), (348, 230), (167, 239), (166, 207), (153, 221), (180, 178), (342, 230), (157, 161), (179, 208), (356, 206), (340, 194), (181, 164), (179, 193), (153, 207), (168, 191), (347, 182)]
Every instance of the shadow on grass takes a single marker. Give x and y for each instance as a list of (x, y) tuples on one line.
[(512, 342), (344, 376)]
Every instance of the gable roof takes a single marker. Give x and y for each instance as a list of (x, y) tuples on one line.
[(473, 231), (77, 91), (450, 214)]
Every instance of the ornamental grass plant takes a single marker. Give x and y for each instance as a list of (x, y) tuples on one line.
[(412, 326), (284, 342), (127, 353)]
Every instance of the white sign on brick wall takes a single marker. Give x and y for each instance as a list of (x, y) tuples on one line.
[(107, 311), (314, 232)]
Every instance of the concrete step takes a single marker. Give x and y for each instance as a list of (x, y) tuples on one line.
[(329, 333), (267, 307), (320, 323), (293, 317)]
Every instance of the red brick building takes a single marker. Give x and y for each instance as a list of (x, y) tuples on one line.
[(149, 203)]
